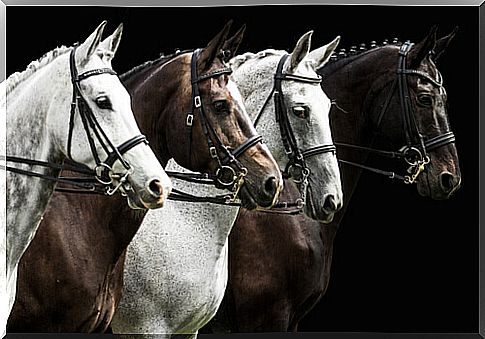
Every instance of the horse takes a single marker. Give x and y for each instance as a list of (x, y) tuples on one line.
[(81, 112), (272, 288), (69, 277), (176, 272)]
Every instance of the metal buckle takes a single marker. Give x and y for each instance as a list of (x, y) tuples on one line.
[(226, 175), (99, 169), (300, 203), (122, 180), (416, 170), (238, 183), (412, 156), (197, 101), (190, 120), (298, 173), (295, 171), (213, 152)]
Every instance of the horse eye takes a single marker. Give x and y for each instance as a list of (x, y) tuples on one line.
[(221, 106), (425, 100), (301, 111), (103, 102)]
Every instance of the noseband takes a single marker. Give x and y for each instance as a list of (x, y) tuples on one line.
[(103, 172), (296, 167), (415, 152)]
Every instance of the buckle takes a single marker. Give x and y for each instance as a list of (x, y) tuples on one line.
[(190, 120), (100, 174), (197, 101), (213, 152), (412, 155), (226, 176)]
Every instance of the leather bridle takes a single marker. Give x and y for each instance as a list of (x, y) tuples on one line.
[(296, 167), (225, 175), (415, 152), (103, 171)]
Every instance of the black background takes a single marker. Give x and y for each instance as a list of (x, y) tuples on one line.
[(402, 263)]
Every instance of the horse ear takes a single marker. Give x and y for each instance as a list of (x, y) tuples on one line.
[(213, 49), (422, 49), (232, 44), (300, 51), (443, 43), (89, 46), (320, 56), (111, 43)]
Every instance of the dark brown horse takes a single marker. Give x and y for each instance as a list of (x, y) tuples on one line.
[(70, 278), (272, 287)]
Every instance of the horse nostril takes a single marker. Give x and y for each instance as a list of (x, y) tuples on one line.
[(155, 188), (447, 181), (270, 186), (329, 205)]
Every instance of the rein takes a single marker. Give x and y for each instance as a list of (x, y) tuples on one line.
[(103, 172), (415, 152)]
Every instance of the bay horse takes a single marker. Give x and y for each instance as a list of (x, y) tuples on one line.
[(176, 271), (70, 276), (272, 287), (70, 105)]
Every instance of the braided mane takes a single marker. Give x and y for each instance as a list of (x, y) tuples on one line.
[(356, 50)]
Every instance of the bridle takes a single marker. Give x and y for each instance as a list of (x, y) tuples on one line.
[(415, 152), (296, 167), (103, 171), (225, 175)]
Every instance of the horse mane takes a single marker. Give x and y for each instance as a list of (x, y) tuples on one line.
[(361, 49), (18, 77), (138, 68), (161, 59), (343, 56), (242, 58)]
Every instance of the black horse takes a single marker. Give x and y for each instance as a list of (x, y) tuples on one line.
[(388, 101)]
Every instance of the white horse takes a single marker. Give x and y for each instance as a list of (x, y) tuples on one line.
[(46, 122), (176, 266), (4, 307)]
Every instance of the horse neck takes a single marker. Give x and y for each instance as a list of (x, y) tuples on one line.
[(349, 82), (34, 106), (156, 91), (28, 136)]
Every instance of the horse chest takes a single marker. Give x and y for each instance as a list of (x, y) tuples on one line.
[(190, 265), (176, 269)]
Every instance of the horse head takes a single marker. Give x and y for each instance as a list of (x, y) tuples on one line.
[(412, 110), (212, 132), (103, 133), (300, 139)]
